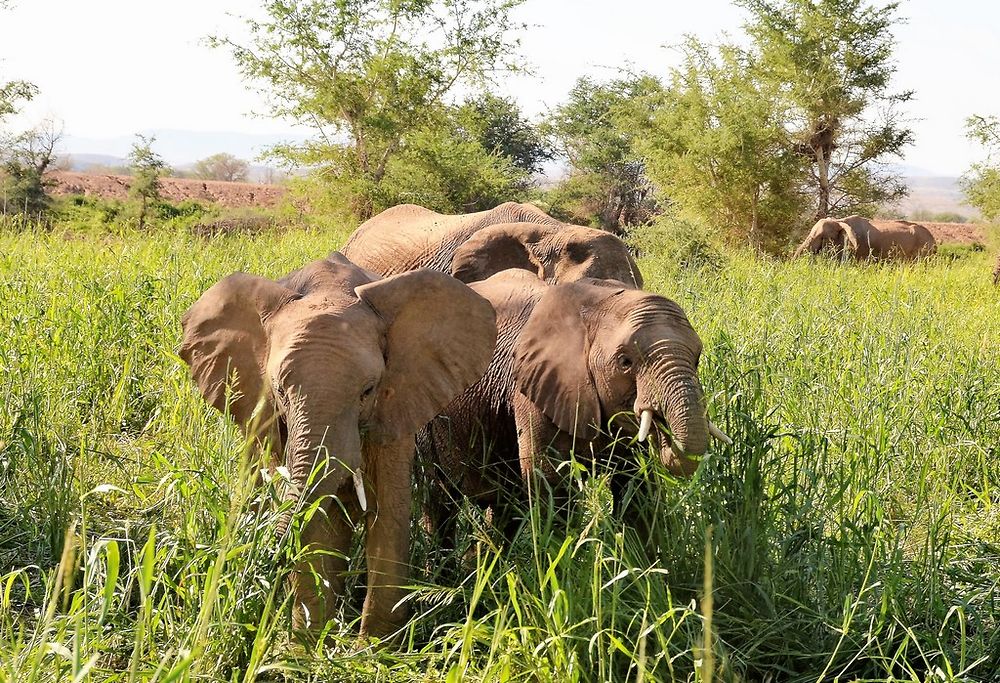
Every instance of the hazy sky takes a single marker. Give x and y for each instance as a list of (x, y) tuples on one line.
[(109, 68)]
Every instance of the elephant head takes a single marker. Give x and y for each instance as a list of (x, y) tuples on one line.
[(594, 350), (838, 237), (337, 370), (556, 253)]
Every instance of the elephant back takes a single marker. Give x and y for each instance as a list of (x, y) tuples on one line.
[(408, 237)]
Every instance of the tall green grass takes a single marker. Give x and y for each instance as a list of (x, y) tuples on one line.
[(855, 523)]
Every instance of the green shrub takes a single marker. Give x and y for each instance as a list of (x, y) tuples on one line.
[(679, 243)]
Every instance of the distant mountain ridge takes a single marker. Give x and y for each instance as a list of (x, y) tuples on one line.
[(936, 195), (180, 147)]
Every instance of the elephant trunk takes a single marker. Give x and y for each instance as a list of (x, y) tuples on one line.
[(323, 451), (321, 454), (810, 244), (672, 391)]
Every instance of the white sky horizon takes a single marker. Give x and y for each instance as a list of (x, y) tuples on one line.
[(110, 68)]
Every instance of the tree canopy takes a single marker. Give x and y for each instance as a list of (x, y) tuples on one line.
[(833, 63), (981, 183), (718, 147), (222, 166), (147, 168), (372, 78), (595, 130)]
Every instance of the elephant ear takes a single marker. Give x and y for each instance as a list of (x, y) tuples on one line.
[(851, 240), (439, 341), (590, 253), (499, 247), (551, 356), (562, 253), (225, 344)]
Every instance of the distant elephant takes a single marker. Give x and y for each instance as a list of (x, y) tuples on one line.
[(476, 245), (996, 272), (569, 359), (337, 370), (859, 238)]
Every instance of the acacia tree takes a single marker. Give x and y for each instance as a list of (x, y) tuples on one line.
[(370, 75), (25, 162), (595, 131), (833, 61), (222, 166), (501, 128), (486, 154), (717, 147), (147, 167), (12, 93), (981, 184)]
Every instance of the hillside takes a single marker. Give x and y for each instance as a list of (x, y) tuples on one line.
[(172, 189), (935, 195)]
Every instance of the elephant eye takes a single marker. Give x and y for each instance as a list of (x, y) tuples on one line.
[(367, 392), (624, 362)]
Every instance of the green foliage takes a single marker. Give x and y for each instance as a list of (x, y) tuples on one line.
[(981, 186), (833, 61), (981, 183), (578, 199), (444, 166), (679, 243), (371, 77), (746, 138), (13, 92), (23, 189), (90, 214), (717, 146), (596, 131), (147, 168), (937, 216), (97, 216), (449, 169), (23, 166), (221, 166), (498, 125), (853, 522)]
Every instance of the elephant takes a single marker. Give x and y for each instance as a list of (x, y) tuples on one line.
[(475, 246), (865, 240), (335, 370), (996, 272), (569, 358)]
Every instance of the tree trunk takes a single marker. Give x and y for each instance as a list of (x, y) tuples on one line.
[(823, 168)]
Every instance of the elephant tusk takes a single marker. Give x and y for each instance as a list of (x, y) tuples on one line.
[(719, 434), (645, 424), (359, 487)]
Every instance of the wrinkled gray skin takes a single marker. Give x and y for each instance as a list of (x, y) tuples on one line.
[(568, 359), (477, 245), (346, 368), (861, 239)]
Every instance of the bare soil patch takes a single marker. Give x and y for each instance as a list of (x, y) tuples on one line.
[(172, 189), (956, 233)]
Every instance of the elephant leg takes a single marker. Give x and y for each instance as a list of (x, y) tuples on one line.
[(318, 576), (536, 435), (538, 440), (439, 467), (387, 546)]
